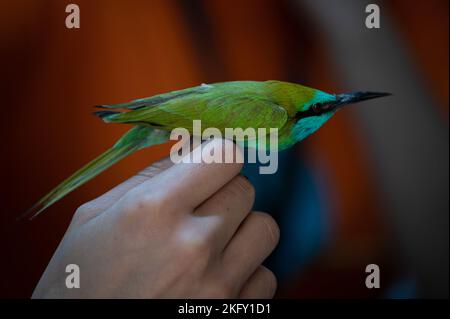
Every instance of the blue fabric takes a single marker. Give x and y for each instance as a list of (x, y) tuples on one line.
[(294, 198)]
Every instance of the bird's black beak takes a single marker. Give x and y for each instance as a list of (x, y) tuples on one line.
[(349, 98)]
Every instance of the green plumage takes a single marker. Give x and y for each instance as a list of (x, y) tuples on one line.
[(296, 111), (244, 104)]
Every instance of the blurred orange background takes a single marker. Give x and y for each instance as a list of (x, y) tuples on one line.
[(52, 76)]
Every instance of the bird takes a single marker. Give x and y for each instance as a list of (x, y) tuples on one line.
[(295, 110)]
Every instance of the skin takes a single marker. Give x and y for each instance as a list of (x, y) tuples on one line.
[(181, 231)]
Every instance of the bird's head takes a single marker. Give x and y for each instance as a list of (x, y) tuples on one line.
[(313, 114)]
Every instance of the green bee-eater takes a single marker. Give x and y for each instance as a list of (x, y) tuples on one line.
[(296, 111)]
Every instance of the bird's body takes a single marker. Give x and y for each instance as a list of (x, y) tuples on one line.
[(243, 104), (296, 111)]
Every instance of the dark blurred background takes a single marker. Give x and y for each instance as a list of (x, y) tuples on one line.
[(371, 186)]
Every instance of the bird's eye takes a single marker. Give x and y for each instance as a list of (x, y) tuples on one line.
[(316, 108), (321, 108)]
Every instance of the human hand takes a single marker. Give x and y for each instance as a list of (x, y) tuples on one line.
[(181, 231)]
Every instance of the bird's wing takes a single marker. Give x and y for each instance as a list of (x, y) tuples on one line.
[(156, 99), (215, 108)]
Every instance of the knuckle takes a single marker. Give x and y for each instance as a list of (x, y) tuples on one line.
[(270, 225), (225, 195), (245, 187), (137, 203), (83, 212), (239, 189), (196, 249), (270, 279), (138, 212)]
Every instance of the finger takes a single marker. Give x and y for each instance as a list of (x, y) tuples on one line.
[(187, 185), (255, 239), (262, 284), (230, 205), (106, 200)]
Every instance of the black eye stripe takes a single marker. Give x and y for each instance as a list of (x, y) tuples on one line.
[(308, 113), (314, 110)]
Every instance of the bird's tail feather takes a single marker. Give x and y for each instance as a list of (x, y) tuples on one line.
[(136, 138)]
